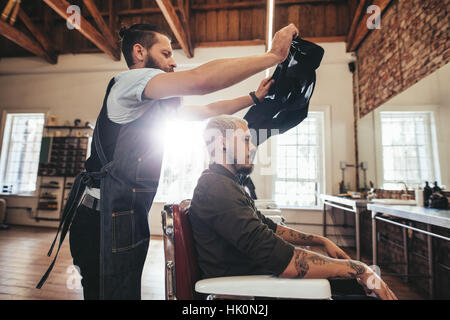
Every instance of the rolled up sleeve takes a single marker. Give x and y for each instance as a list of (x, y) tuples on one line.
[(130, 85)]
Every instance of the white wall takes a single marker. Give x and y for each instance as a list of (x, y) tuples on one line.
[(75, 87), (430, 93)]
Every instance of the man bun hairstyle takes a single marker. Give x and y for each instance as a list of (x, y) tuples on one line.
[(143, 34)]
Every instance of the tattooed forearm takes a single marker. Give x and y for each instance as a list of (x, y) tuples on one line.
[(304, 260), (357, 269), (294, 236), (301, 265), (313, 265)]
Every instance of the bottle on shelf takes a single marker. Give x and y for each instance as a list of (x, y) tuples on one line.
[(436, 188), (419, 195), (426, 193)]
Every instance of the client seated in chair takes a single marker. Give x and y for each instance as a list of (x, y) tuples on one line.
[(233, 238)]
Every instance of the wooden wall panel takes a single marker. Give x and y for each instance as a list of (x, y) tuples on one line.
[(211, 23), (233, 25)]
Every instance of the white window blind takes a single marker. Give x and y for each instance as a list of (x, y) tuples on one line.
[(185, 158), (299, 165), (407, 148), (20, 152)]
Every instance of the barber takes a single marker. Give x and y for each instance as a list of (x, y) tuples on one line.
[(109, 232)]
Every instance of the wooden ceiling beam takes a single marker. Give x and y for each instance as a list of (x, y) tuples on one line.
[(40, 36), (130, 12), (225, 6), (362, 31), (113, 17), (360, 11), (101, 24), (184, 8), (25, 41), (176, 25), (259, 42), (259, 4), (86, 29)]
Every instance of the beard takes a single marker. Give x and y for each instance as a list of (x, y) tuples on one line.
[(150, 63), (243, 170)]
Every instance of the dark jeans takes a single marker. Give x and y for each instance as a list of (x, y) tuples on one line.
[(348, 290), (85, 249)]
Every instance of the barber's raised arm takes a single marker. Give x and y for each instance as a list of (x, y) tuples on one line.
[(221, 73)]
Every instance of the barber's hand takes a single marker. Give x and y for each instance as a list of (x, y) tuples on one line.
[(263, 88), (373, 283), (282, 42), (333, 250)]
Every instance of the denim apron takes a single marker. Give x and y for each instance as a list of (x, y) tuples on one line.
[(128, 185)]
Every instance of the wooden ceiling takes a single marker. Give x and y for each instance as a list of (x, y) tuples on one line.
[(40, 25)]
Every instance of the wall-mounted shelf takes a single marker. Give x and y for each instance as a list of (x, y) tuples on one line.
[(62, 159)]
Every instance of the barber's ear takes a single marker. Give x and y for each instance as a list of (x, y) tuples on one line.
[(139, 52)]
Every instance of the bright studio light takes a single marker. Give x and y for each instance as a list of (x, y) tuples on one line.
[(271, 9), (270, 13), (185, 158)]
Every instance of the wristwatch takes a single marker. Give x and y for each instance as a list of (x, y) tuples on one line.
[(255, 99)]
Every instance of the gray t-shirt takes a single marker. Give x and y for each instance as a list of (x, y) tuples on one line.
[(125, 102)]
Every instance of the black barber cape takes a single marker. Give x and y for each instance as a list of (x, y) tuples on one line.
[(287, 103)]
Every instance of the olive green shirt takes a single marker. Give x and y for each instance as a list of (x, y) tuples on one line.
[(231, 236)]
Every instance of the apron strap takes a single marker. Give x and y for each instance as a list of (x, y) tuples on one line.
[(98, 145), (79, 185), (82, 180)]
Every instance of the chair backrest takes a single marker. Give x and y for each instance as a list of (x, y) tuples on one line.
[(182, 270)]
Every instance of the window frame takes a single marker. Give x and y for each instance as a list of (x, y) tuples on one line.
[(326, 179), (4, 115), (434, 129)]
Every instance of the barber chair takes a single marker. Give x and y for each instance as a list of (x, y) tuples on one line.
[(182, 274)]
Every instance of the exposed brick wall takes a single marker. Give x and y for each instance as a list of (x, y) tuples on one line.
[(412, 43)]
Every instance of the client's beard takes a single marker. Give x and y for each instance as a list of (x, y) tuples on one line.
[(244, 171)]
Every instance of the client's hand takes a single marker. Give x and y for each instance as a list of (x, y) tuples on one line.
[(333, 250)]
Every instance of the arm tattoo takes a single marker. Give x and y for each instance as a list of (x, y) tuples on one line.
[(357, 268), (300, 236), (294, 236), (303, 261), (316, 259), (301, 265)]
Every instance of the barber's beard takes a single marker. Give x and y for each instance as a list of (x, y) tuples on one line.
[(150, 63)]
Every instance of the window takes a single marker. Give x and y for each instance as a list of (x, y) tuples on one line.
[(299, 164), (20, 152), (407, 148), (185, 158)]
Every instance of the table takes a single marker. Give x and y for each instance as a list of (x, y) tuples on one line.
[(431, 217), (351, 205)]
